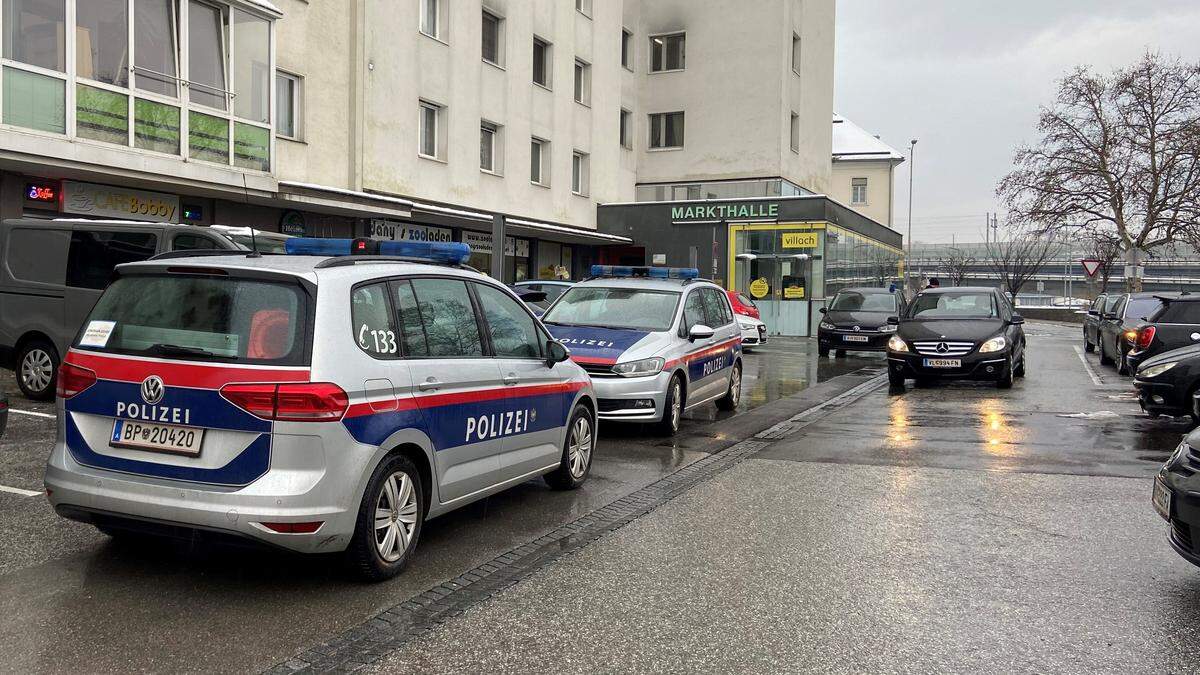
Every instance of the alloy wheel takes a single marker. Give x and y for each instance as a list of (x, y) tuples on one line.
[(676, 405), (395, 516), (579, 448), (735, 386), (37, 369)]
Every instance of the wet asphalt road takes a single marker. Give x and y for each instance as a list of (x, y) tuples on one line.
[(71, 599)]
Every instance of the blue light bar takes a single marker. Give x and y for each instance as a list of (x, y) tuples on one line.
[(450, 253), (648, 272)]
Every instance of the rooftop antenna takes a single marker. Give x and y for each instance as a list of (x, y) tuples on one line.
[(253, 241)]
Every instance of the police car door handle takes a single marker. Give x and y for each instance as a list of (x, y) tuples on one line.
[(429, 384), (511, 379)]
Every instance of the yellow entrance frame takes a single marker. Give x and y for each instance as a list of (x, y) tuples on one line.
[(800, 226)]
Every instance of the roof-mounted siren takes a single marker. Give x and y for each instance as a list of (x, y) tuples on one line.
[(647, 272), (444, 252)]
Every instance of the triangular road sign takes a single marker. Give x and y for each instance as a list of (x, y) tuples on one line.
[(1090, 266)]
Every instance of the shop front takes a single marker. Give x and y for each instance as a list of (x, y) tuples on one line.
[(789, 254)]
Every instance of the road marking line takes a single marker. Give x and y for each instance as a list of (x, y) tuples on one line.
[(1088, 367), (32, 414), (19, 491)]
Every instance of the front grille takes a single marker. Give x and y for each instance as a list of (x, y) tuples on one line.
[(598, 370), (931, 348), (849, 328), (1182, 533)]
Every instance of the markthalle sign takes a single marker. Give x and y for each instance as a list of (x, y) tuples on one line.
[(710, 212)]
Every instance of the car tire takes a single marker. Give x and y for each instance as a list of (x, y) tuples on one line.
[(841, 353), (895, 380), (37, 370), (1006, 379), (1105, 360), (1122, 366), (396, 487), (1019, 371), (822, 350), (578, 449), (672, 409), (1088, 346), (733, 395)]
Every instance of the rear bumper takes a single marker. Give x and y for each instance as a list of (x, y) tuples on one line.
[(974, 367)]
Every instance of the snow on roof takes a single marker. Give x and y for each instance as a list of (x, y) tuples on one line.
[(265, 4), (851, 141)]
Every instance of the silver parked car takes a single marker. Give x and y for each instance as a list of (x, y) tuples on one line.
[(316, 402), (655, 340)]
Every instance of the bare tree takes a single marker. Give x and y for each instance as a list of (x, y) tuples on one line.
[(1118, 151), (1022, 257), (957, 263), (1103, 246)]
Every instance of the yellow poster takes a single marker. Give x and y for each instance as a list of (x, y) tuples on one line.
[(793, 293), (759, 288), (800, 239)]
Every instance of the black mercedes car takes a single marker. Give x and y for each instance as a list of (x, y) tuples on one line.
[(1166, 383), (963, 333), (857, 320), (1176, 497)]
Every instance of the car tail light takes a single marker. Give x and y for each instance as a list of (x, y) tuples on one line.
[(290, 401), (73, 380), (1145, 336)]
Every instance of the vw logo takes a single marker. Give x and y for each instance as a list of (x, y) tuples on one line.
[(942, 348), (153, 389), (857, 328)]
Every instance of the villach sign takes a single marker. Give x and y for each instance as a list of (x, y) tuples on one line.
[(702, 212)]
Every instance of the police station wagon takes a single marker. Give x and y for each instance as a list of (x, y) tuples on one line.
[(656, 341), (318, 401)]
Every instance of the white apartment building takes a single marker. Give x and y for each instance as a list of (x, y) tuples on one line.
[(411, 118)]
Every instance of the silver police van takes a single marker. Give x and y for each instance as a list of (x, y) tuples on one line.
[(320, 401), (656, 341)]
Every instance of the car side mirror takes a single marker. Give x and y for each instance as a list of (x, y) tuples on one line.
[(700, 332), (893, 321), (556, 352), (1092, 312), (822, 310), (1017, 320)]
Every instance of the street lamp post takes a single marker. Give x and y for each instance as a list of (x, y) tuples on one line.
[(912, 146)]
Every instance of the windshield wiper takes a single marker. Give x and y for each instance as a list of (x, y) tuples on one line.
[(180, 350)]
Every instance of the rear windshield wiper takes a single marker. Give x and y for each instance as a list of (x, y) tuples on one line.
[(180, 350)]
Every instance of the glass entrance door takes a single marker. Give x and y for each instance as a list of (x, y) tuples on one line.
[(778, 278)]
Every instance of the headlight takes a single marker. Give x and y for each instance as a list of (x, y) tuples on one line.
[(994, 345), (826, 325), (641, 368), (895, 344), (888, 328), (1155, 371), (745, 325)]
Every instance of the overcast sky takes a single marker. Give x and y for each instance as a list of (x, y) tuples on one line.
[(966, 77)]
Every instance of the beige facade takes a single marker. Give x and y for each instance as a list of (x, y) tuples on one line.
[(864, 168)]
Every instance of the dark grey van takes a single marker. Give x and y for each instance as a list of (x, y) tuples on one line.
[(55, 270)]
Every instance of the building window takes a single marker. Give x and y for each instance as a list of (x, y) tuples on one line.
[(666, 130), (491, 148), (101, 40), (431, 17), (579, 173), (539, 160), (795, 133), (796, 53), (288, 109), (666, 52), (541, 62), (431, 132), (206, 55), (583, 82), (858, 190), (493, 39), (626, 131), (627, 49), (584, 7)]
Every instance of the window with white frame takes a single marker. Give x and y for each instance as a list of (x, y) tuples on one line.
[(541, 62), (431, 137), (539, 161), (667, 52), (858, 190), (289, 109), (794, 133), (666, 130), (583, 82), (627, 49), (221, 113), (579, 173), (626, 130), (433, 18), (491, 148), (493, 38), (796, 52)]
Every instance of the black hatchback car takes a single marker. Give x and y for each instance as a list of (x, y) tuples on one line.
[(1118, 327), (1176, 497), (964, 333), (857, 320), (1167, 383), (1176, 324)]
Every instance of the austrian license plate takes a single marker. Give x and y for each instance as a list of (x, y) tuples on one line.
[(1161, 498), (157, 437), (943, 363), (855, 338)]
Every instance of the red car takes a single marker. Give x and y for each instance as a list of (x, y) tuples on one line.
[(742, 304)]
